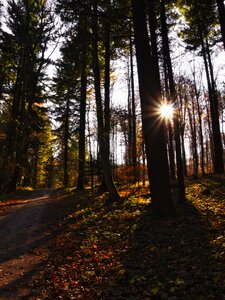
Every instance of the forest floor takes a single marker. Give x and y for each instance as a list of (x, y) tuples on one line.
[(70, 245)]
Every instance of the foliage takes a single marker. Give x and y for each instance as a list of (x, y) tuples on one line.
[(22, 57), (200, 22)]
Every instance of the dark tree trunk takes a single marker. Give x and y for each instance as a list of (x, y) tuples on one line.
[(107, 87), (83, 96), (200, 129), (113, 194), (66, 140), (130, 133), (182, 108), (133, 109), (170, 130), (153, 37), (154, 50), (90, 153), (166, 50), (221, 10), (217, 139), (184, 154), (154, 132), (210, 141), (217, 143), (193, 139), (144, 164)]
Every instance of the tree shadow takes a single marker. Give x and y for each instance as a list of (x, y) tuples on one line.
[(170, 259), (21, 288)]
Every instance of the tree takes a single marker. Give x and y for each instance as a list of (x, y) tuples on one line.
[(30, 24), (173, 97), (102, 137), (200, 17), (66, 100), (82, 35), (221, 11), (154, 131)]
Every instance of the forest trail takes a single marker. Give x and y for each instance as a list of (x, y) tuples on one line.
[(25, 232)]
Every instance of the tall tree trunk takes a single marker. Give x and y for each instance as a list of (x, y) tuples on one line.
[(193, 139), (134, 137), (166, 50), (83, 96), (221, 10), (184, 154), (102, 137), (154, 50), (66, 140), (170, 130), (144, 164), (107, 87), (90, 152), (200, 128), (154, 132), (210, 135), (130, 133), (218, 149)]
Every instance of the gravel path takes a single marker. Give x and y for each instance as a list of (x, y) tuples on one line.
[(25, 233)]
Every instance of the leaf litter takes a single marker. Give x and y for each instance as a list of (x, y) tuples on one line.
[(124, 252)]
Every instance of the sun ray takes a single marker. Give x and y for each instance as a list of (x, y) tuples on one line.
[(166, 111)]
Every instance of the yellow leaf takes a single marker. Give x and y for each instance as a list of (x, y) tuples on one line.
[(155, 290)]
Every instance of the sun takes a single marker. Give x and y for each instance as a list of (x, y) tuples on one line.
[(166, 111)]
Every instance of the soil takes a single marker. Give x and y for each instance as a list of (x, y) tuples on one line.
[(28, 227)]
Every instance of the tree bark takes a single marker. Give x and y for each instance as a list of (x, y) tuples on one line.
[(83, 96), (217, 143), (113, 194), (166, 50), (221, 10), (200, 128), (133, 109), (193, 139), (154, 50), (154, 131), (66, 139), (107, 87)]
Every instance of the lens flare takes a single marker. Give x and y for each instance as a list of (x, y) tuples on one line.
[(166, 111)]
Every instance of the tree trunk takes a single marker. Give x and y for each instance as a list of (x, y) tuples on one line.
[(130, 133), (154, 50), (102, 137), (133, 109), (218, 149), (166, 50), (210, 141), (66, 139), (154, 131), (193, 139), (221, 10), (170, 130), (200, 128), (83, 96), (107, 87)]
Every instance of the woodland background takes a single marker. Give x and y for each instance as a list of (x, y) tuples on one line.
[(67, 130)]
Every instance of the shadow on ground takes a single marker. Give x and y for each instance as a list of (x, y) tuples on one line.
[(170, 259)]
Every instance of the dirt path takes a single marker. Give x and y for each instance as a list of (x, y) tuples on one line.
[(25, 233)]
